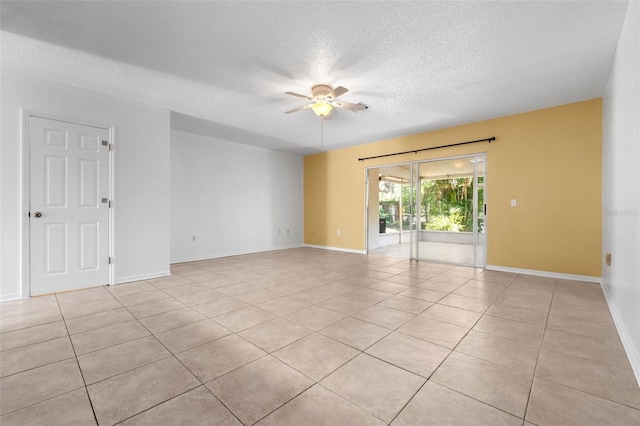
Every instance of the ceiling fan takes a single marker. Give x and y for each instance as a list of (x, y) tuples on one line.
[(324, 100)]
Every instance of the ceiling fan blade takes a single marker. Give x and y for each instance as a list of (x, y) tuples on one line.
[(338, 91), (298, 109), (353, 107), (299, 95)]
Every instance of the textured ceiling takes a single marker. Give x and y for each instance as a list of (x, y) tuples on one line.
[(222, 67)]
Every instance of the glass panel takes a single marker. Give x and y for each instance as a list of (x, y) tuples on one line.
[(447, 210)]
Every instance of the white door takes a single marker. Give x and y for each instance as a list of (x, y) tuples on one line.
[(69, 216)]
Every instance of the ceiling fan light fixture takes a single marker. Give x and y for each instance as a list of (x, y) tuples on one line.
[(321, 108)]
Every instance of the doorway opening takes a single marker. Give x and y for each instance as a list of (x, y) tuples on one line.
[(430, 210)]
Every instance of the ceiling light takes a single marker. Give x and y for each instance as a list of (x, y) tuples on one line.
[(321, 108)]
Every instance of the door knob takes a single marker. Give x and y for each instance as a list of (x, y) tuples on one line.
[(37, 214)]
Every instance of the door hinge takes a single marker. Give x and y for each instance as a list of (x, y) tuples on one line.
[(107, 202), (107, 144), (110, 260)]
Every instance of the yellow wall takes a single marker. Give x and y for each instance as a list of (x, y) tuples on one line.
[(550, 160)]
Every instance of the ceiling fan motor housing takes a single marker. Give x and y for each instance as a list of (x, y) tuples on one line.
[(320, 91)]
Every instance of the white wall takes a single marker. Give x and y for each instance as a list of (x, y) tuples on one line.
[(233, 198), (621, 186), (141, 155)]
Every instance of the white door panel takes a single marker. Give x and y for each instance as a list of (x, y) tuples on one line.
[(69, 187)]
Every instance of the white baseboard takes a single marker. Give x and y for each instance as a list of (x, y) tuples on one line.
[(132, 278), (345, 250), (230, 253), (546, 274), (633, 353), (10, 296)]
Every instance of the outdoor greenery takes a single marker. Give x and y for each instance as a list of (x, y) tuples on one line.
[(446, 205)]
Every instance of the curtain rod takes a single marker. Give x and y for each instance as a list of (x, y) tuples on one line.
[(415, 151)]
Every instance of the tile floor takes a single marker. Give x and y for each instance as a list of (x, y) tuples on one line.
[(306, 337), (460, 254)]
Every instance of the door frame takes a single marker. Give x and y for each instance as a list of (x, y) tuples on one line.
[(25, 139), (416, 164)]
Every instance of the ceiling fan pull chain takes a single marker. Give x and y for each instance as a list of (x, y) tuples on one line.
[(322, 132)]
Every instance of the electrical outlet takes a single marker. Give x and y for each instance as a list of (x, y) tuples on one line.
[(514, 202), (338, 233)]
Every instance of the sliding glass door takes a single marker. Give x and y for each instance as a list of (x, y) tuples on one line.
[(448, 210)]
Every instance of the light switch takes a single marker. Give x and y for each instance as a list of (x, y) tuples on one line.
[(514, 202)]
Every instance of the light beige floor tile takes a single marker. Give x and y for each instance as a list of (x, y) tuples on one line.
[(514, 330), (599, 330), (182, 290), (412, 354), (495, 276), (438, 286), (244, 318), (529, 316), (438, 406), (389, 286), (313, 295), (28, 336), (455, 316), (126, 289), (219, 306), (71, 408), (376, 386), (554, 404), (468, 303), (196, 407), (208, 295), (33, 386), (82, 297), (346, 305), (101, 338), (434, 331), (28, 306), (492, 384), (355, 333), (406, 304), (524, 301), (30, 320), (370, 295), (506, 352), (170, 320), (580, 311), (168, 282), (339, 288), (283, 305), (145, 297), (316, 356), (105, 363), (189, 336), (315, 317), (27, 357), (89, 308), (221, 356), (153, 308), (483, 290), (449, 279), (256, 296), (318, 406), (239, 288), (606, 352), (100, 320), (275, 334), (606, 381), (423, 294), (384, 317), (130, 393), (273, 383)]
